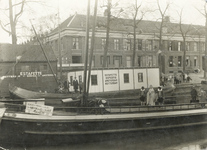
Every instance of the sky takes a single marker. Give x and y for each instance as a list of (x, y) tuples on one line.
[(66, 8)]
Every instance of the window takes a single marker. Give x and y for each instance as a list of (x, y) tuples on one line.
[(202, 47), (139, 59), (94, 80), (179, 46), (149, 61), (64, 60), (76, 59), (171, 61), (103, 43), (116, 44), (188, 61), (179, 61), (25, 68), (44, 68), (117, 61), (170, 46), (140, 77), (108, 60), (127, 44), (126, 78), (128, 61), (75, 43), (139, 44), (148, 45), (195, 61), (195, 46)]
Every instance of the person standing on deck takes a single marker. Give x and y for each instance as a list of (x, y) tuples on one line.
[(160, 95), (203, 96), (151, 96), (193, 94), (75, 85), (142, 95)]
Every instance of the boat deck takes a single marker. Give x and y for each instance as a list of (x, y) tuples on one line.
[(72, 113)]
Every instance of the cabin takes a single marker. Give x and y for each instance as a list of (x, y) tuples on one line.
[(113, 80), (25, 66)]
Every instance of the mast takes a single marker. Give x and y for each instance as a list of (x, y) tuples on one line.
[(44, 52), (59, 49), (85, 96), (92, 45)]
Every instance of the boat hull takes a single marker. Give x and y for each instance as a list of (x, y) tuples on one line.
[(26, 128)]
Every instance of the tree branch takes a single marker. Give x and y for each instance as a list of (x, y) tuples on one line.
[(2, 26)]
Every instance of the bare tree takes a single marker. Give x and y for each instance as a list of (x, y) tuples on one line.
[(204, 13), (137, 16), (184, 30), (13, 17), (110, 19), (162, 23)]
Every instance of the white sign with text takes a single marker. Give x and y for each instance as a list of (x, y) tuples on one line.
[(39, 109)]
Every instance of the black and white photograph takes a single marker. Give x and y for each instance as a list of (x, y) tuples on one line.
[(103, 74)]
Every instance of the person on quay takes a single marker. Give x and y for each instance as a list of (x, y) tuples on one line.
[(151, 96), (75, 84), (142, 95), (160, 95), (193, 94)]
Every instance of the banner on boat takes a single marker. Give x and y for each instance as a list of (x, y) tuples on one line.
[(39, 109), (2, 111), (30, 74)]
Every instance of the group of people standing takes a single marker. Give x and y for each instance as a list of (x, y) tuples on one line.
[(75, 84), (151, 96), (176, 79), (195, 94)]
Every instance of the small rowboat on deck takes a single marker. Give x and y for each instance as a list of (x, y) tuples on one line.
[(18, 92)]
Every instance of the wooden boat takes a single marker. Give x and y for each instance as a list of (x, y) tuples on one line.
[(17, 92), (24, 128)]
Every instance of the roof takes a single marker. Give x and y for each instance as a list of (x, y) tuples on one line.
[(122, 24), (25, 53)]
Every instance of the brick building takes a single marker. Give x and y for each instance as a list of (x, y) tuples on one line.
[(72, 44)]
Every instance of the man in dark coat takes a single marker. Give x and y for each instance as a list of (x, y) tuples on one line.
[(75, 85), (160, 95), (193, 94), (142, 95)]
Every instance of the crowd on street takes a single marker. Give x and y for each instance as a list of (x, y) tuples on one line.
[(175, 79)]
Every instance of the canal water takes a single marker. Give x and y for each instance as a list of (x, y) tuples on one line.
[(190, 138)]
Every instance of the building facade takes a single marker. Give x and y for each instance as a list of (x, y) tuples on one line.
[(68, 42), (25, 66)]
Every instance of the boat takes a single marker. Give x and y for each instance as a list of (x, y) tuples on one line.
[(36, 123), (23, 127), (17, 92)]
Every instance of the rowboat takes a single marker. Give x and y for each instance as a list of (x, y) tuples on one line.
[(17, 92)]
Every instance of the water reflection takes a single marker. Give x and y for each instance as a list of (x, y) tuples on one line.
[(191, 138)]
